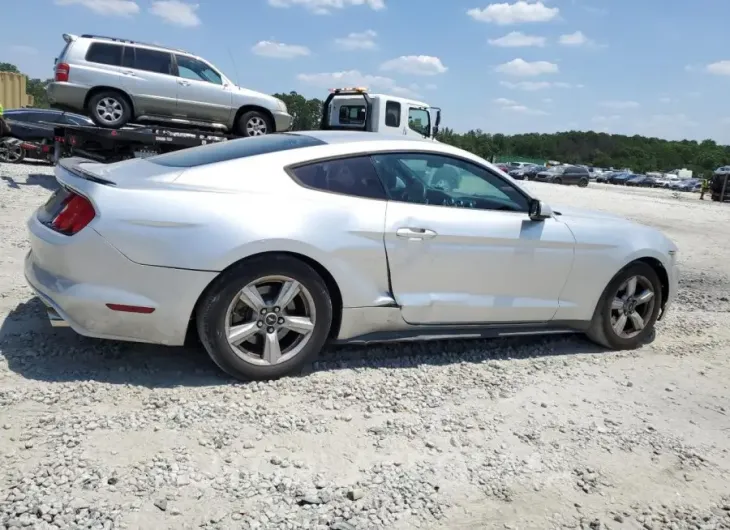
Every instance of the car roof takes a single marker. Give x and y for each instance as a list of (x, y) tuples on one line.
[(344, 137)]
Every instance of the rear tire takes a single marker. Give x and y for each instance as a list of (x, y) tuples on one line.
[(607, 316), (582, 183), (110, 109), (254, 123), (272, 348)]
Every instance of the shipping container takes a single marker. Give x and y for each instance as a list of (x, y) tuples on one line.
[(12, 91)]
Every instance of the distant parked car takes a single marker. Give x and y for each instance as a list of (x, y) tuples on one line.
[(689, 185), (565, 175), (117, 81), (636, 180), (521, 172), (603, 177), (620, 178), (531, 172)]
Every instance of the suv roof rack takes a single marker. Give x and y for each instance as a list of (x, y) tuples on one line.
[(128, 41)]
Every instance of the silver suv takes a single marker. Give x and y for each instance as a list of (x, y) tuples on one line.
[(117, 81)]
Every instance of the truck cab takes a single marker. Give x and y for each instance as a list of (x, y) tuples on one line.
[(354, 109)]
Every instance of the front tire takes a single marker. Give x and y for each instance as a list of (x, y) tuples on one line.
[(110, 109), (254, 123), (557, 180), (628, 309), (265, 318)]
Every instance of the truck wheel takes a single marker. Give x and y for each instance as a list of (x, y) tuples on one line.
[(110, 109), (254, 123), (11, 151)]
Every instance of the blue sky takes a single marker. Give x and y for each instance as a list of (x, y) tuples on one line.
[(652, 67)]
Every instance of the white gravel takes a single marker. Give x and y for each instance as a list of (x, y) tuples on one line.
[(467, 434)]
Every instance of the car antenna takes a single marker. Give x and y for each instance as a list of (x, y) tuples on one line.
[(235, 68)]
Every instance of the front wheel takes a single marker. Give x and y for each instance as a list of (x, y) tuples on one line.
[(628, 309), (11, 151), (557, 180), (254, 123), (265, 318)]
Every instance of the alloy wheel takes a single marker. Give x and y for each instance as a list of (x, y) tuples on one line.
[(11, 152), (270, 320), (632, 307), (256, 126), (109, 110)]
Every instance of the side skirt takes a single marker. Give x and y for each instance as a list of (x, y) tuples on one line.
[(423, 333)]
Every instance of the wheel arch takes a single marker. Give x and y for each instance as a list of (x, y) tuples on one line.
[(663, 275), (102, 88), (329, 280), (246, 108)]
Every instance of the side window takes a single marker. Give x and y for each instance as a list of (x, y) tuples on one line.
[(419, 120), (349, 176), (425, 178), (392, 114), (153, 61), (103, 53), (189, 68)]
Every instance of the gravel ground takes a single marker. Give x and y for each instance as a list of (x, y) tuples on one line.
[(445, 435)]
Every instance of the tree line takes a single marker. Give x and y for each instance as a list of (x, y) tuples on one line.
[(639, 153)]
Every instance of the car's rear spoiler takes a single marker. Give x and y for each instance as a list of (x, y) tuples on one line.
[(68, 37), (73, 166)]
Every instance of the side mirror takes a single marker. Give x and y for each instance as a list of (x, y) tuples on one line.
[(539, 210)]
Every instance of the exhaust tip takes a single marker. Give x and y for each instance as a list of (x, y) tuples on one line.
[(55, 319)]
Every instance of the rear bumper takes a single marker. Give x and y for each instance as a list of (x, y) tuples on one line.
[(66, 96), (76, 277), (282, 121)]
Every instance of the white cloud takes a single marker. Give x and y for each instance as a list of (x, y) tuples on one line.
[(350, 78), (279, 50), (574, 39), (517, 39), (415, 65), (513, 106), (719, 68), (522, 68), (176, 12), (120, 8), (532, 86), (521, 11), (325, 7), (620, 105), (358, 41), (25, 50)]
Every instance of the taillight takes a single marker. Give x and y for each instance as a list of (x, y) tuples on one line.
[(77, 212), (62, 71)]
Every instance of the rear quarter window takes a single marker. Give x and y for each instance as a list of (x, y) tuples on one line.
[(233, 149), (103, 53)]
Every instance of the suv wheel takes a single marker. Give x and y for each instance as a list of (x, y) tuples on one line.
[(254, 123), (583, 182), (628, 309), (110, 109), (265, 318)]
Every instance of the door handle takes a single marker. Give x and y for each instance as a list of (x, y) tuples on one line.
[(130, 73), (415, 233), (184, 83)]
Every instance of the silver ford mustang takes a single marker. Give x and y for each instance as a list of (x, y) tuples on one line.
[(270, 247)]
